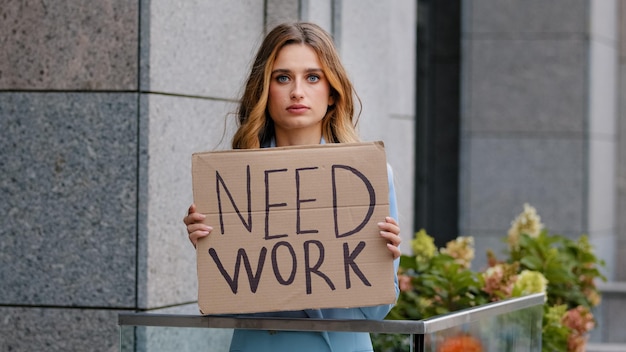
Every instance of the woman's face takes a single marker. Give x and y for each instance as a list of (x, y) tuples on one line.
[(299, 93)]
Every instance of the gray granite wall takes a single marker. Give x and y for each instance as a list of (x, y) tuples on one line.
[(101, 106), (538, 119), (621, 148), (380, 60), (68, 191)]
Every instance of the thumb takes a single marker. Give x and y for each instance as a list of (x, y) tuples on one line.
[(192, 209)]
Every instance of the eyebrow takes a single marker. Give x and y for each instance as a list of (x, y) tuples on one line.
[(308, 70)]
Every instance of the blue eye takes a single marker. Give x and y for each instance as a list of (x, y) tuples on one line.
[(282, 79), (313, 78)]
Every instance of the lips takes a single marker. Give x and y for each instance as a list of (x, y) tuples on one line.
[(297, 108)]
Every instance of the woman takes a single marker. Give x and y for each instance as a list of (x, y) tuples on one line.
[(298, 93)]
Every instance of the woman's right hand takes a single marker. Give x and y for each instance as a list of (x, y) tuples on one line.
[(195, 228)]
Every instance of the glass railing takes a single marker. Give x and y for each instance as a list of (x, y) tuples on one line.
[(509, 325)]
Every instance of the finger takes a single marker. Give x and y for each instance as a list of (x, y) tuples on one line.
[(391, 220), (199, 233), (389, 227), (393, 224), (195, 236), (395, 251), (392, 238), (194, 218), (198, 227), (191, 210)]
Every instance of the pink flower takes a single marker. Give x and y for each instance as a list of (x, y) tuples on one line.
[(580, 320), (404, 281), (500, 280), (461, 249), (576, 343)]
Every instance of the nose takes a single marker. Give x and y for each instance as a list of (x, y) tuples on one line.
[(297, 90)]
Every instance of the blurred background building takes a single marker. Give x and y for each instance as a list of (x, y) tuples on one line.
[(483, 105)]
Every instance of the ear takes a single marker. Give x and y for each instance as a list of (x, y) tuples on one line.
[(331, 100)]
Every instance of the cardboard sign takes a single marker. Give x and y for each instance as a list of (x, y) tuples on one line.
[(293, 228)]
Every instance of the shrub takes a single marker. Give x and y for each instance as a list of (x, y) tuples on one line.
[(438, 281)]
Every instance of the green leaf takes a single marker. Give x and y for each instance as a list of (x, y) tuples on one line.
[(408, 262), (531, 263)]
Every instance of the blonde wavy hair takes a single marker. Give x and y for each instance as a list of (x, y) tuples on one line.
[(255, 126)]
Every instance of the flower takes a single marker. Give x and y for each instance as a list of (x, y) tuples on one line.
[(461, 249), (528, 222), (462, 343), (435, 282), (592, 296), (499, 280), (423, 246), (404, 282), (576, 343), (529, 282), (580, 321)]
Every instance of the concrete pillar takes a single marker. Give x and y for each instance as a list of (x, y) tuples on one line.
[(538, 119)]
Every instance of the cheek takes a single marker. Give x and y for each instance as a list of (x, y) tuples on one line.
[(275, 94), (271, 97), (324, 95), (273, 102)]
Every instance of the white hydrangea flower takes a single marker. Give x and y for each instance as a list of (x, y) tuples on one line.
[(528, 222)]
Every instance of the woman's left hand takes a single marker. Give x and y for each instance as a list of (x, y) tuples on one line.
[(390, 231)]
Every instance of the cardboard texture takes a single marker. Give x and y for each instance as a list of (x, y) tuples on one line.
[(293, 228)]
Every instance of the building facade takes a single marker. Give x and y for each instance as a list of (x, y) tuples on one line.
[(102, 105)]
